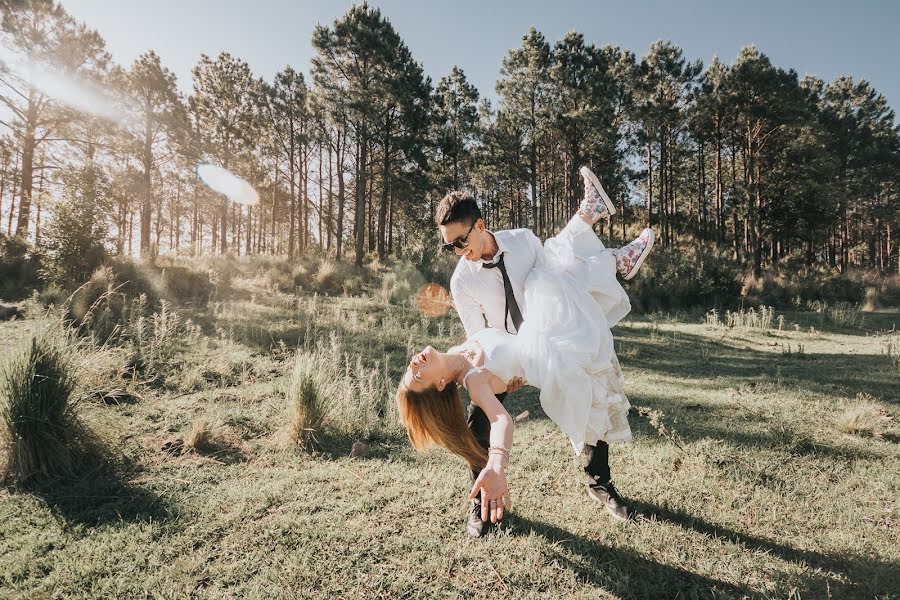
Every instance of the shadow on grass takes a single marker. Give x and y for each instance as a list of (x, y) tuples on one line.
[(697, 357), (380, 446), (222, 451), (840, 575), (698, 422), (103, 497), (620, 570)]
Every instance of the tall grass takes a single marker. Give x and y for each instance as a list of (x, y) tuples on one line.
[(841, 314), (114, 295), (42, 435), (400, 284), (332, 393), (892, 349), (307, 403), (761, 319)]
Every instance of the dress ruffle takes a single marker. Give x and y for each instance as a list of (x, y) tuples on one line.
[(565, 343)]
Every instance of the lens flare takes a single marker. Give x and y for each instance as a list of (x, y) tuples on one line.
[(78, 94), (433, 300), (227, 183)]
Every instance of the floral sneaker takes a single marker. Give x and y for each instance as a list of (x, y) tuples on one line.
[(596, 204), (630, 258)]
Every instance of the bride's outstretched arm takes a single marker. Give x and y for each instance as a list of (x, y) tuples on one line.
[(491, 482)]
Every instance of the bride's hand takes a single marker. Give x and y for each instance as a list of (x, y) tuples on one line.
[(491, 484)]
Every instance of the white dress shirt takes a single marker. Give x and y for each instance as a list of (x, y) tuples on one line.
[(478, 292)]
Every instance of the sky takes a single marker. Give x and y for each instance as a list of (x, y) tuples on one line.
[(825, 38)]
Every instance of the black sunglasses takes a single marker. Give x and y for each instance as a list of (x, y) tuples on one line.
[(459, 242)]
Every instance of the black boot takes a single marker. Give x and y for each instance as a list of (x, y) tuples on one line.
[(599, 485), (476, 527), (607, 493)]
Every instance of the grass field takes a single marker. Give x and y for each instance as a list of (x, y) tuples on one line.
[(765, 464)]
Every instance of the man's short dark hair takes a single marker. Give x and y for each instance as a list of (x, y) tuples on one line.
[(457, 207)]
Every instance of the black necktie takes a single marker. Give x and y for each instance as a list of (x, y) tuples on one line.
[(512, 308)]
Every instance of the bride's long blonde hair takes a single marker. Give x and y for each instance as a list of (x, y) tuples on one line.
[(435, 416)]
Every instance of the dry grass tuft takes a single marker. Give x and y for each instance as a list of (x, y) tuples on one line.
[(42, 436), (863, 418), (199, 436), (306, 405), (328, 278)]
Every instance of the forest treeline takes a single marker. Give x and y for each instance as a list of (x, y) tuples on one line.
[(743, 155)]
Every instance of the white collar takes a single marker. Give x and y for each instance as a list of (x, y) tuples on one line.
[(501, 248)]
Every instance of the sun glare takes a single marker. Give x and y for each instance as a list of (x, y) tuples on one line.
[(227, 183), (78, 94)]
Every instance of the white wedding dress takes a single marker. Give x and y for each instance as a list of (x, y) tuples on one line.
[(564, 346)]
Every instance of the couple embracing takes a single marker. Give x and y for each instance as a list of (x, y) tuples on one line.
[(535, 313)]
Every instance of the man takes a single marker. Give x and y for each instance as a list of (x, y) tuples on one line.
[(487, 287)]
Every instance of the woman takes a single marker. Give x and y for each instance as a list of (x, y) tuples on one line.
[(564, 347)]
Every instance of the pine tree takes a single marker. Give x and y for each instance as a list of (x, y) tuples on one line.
[(42, 31), (222, 106)]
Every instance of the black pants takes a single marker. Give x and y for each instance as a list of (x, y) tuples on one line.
[(597, 466)]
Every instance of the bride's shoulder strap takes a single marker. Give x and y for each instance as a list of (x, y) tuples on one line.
[(472, 371)]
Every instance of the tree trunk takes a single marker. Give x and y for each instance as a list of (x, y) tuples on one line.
[(12, 199), (534, 187), (359, 221), (292, 213), (37, 220), (321, 201), (385, 178), (370, 198), (4, 176), (330, 225), (720, 192), (29, 145), (146, 182), (272, 242), (158, 228), (339, 228), (649, 184), (756, 203), (663, 188), (390, 227)]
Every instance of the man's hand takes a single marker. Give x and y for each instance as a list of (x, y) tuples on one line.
[(514, 384)]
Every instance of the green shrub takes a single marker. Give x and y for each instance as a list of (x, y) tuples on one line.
[(135, 278), (98, 307), (221, 270), (112, 297), (329, 277), (883, 293), (301, 278), (400, 284), (20, 268), (187, 285), (278, 277), (842, 314), (42, 435), (52, 295), (672, 279), (768, 290), (842, 289), (799, 288)]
